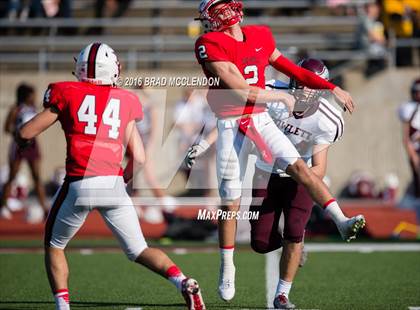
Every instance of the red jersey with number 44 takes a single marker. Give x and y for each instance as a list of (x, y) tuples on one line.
[(251, 58), (94, 119)]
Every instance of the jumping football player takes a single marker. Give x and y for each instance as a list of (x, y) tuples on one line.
[(313, 127), (239, 56), (19, 114), (98, 119)]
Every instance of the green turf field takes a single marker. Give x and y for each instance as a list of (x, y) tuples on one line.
[(378, 280)]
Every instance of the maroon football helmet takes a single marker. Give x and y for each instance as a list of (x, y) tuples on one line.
[(306, 97)]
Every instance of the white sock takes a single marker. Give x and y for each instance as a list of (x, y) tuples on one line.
[(334, 211), (175, 276), (177, 281), (226, 256), (283, 288), (62, 301)]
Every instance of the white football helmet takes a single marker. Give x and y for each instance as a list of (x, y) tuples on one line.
[(97, 63), (212, 20)]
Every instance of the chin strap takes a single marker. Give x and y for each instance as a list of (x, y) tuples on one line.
[(305, 77)]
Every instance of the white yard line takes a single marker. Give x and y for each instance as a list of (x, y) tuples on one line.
[(362, 247), (271, 275), (272, 259)]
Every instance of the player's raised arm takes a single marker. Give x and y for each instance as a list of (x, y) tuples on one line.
[(232, 79), (309, 79), (38, 124)]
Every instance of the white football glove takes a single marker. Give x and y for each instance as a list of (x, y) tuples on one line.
[(196, 151)]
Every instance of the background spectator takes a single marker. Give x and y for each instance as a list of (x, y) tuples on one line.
[(371, 38), (19, 114), (401, 18)]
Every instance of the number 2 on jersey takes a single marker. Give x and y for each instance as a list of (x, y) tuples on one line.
[(110, 117), (251, 69)]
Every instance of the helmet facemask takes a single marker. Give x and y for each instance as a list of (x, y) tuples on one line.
[(306, 99), (219, 17)]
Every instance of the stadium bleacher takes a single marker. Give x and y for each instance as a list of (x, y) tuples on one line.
[(161, 33)]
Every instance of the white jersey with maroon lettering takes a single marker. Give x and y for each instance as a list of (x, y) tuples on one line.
[(324, 126), (409, 112)]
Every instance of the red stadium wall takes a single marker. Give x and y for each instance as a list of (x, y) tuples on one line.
[(383, 221)]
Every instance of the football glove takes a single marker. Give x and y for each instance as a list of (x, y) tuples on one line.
[(196, 151)]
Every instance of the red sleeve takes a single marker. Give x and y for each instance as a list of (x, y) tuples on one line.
[(207, 49), (306, 77), (53, 97)]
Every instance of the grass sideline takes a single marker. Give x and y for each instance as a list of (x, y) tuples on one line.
[(377, 280)]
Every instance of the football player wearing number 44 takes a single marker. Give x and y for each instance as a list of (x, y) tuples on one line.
[(238, 56), (98, 120)]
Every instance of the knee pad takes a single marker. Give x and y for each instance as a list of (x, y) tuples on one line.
[(263, 247), (228, 165), (132, 255), (294, 233), (230, 189)]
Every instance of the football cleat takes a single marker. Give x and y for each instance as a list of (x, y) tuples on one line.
[(227, 284), (192, 294), (282, 302), (351, 227)]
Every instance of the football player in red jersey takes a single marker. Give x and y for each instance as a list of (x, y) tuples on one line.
[(238, 56), (98, 120)]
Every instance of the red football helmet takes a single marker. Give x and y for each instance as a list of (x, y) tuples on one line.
[(225, 16)]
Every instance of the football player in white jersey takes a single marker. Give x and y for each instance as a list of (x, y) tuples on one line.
[(409, 114), (312, 128)]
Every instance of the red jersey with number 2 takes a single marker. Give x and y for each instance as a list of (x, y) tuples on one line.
[(251, 58), (94, 119)]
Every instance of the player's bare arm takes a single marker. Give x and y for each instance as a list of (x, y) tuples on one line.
[(309, 79), (38, 124), (231, 78), (136, 148)]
